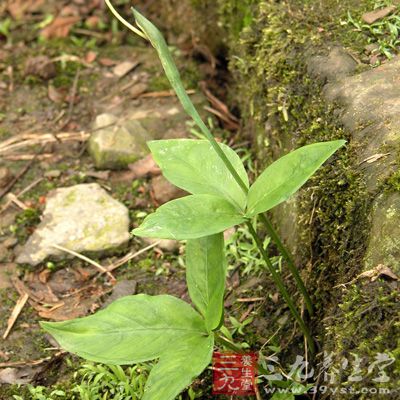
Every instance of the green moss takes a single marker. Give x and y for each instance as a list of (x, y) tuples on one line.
[(282, 108), (393, 182)]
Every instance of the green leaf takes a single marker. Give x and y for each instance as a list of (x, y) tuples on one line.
[(194, 166), (130, 330), (190, 217), (205, 276), (283, 396), (178, 367), (285, 176)]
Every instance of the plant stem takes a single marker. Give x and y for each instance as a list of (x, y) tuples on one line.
[(278, 281), (223, 341), (293, 269), (173, 76), (124, 21)]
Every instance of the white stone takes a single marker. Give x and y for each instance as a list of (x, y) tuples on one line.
[(82, 218)]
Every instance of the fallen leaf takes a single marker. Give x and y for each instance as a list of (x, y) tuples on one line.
[(92, 21), (59, 27), (376, 15), (374, 158), (12, 376), (90, 57), (122, 69), (17, 8), (55, 95), (377, 272), (107, 62), (40, 66), (373, 274), (145, 166)]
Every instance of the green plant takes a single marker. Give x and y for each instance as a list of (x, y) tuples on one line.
[(384, 33), (140, 328)]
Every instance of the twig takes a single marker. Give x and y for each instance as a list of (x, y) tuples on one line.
[(250, 300), (31, 139), (72, 95), (130, 256), (18, 176), (11, 197), (29, 362), (15, 313), (164, 93), (84, 258)]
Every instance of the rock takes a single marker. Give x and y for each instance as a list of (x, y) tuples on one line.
[(384, 240), (371, 109), (40, 66), (54, 173), (5, 176), (376, 15), (121, 289), (115, 144), (164, 191), (138, 89), (82, 218), (336, 65), (145, 166), (165, 244)]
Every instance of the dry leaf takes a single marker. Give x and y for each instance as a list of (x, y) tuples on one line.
[(107, 62), (145, 166), (374, 158), (90, 56), (377, 272), (376, 15), (17, 8), (59, 27), (124, 68), (55, 95)]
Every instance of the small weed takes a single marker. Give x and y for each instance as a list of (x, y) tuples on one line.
[(242, 252), (384, 33)]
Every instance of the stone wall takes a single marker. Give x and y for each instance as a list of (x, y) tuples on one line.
[(300, 75)]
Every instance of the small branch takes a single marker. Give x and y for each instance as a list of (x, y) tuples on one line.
[(87, 259), (15, 313), (129, 257)]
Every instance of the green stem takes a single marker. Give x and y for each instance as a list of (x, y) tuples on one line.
[(292, 268), (279, 283), (151, 33), (123, 21), (223, 341)]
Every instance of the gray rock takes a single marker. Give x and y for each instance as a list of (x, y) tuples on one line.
[(384, 241), (371, 110), (82, 218), (116, 143), (54, 173), (337, 64)]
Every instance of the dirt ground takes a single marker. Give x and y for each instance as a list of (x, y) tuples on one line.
[(61, 65)]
